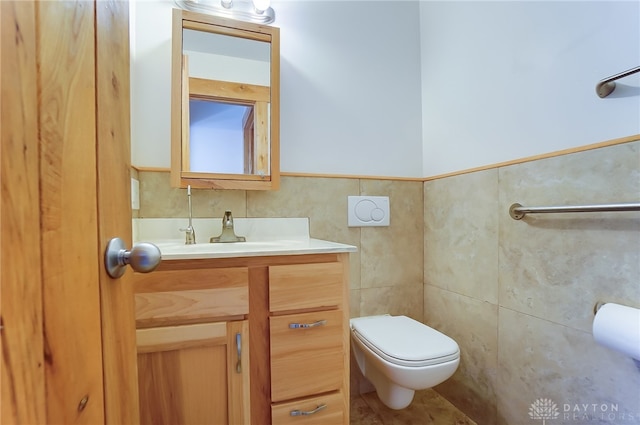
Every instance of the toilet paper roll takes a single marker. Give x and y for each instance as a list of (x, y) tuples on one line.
[(618, 327)]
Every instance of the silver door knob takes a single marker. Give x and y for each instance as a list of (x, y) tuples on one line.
[(144, 257)]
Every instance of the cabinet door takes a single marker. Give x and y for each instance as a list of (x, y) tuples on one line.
[(194, 374)]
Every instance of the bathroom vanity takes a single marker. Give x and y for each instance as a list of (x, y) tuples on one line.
[(254, 335)]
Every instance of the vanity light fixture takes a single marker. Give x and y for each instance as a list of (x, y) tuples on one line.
[(257, 11), (261, 5)]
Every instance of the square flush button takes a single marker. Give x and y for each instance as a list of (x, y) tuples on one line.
[(368, 211)]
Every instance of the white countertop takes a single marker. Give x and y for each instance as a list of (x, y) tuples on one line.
[(177, 250), (265, 237)]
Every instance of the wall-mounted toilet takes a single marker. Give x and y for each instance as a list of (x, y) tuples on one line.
[(400, 355)]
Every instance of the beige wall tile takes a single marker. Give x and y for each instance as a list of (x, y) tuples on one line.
[(540, 359), (392, 255), (323, 201), (159, 200), (461, 234), (544, 272), (396, 300), (557, 266), (472, 323)]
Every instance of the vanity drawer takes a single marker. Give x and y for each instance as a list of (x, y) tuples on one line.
[(187, 296), (327, 409), (303, 286), (306, 360)]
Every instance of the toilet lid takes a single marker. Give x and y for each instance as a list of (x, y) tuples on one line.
[(404, 341)]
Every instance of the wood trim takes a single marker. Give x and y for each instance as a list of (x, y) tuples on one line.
[(143, 169), (346, 335), (226, 91), (251, 262), (177, 337), (195, 18), (260, 379), (562, 152), (232, 32), (215, 176), (608, 143), (349, 176), (176, 98), (185, 122), (114, 211), (22, 346), (237, 181), (274, 110), (261, 139)]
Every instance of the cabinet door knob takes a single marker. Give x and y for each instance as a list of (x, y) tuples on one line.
[(307, 325), (308, 412)]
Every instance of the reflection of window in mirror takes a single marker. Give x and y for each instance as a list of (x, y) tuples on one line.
[(226, 128), (215, 100)]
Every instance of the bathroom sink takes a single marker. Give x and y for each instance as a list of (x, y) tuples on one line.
[(264, 237)]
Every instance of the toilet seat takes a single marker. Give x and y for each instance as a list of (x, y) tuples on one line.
[(403, 341)]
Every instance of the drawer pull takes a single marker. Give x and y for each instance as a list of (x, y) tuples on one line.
[(310, 412), (239, 351), (307, 325)]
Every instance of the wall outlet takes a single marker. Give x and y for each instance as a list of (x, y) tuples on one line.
[(365, 211)]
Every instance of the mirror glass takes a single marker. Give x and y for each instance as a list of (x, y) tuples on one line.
[(223, 103)]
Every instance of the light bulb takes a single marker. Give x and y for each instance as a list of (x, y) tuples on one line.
[(261, 5), (226, 3)]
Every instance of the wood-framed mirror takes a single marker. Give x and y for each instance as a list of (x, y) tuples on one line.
[(225, 103)]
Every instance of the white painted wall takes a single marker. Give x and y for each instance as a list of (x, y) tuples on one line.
[(150, 34), (408, 89), (350, 86), (512, 79)]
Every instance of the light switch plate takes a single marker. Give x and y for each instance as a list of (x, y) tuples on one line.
[(366, 211), (135, 194)]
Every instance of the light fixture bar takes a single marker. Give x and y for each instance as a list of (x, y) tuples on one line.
[(242, 10)]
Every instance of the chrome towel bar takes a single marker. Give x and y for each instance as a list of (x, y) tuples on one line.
[(517, 211), (605, 87)]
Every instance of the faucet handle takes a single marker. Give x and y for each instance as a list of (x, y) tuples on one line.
[(190, 235)]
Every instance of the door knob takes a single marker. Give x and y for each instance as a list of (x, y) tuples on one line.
[(144, 257)]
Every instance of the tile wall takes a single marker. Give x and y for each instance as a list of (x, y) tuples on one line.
[(386, 272), (516, 295)]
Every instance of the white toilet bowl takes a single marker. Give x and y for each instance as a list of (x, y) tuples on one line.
[(400, 355)]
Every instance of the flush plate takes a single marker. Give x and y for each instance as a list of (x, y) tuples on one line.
[(364, 211)]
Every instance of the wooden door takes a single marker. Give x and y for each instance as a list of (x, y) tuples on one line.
[(68, 341)]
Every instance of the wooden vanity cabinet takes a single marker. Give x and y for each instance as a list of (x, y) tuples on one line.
[(291, 315), (309, 343), (193, 346)]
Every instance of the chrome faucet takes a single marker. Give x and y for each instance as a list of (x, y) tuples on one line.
[(190, 232), (228, 233)]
